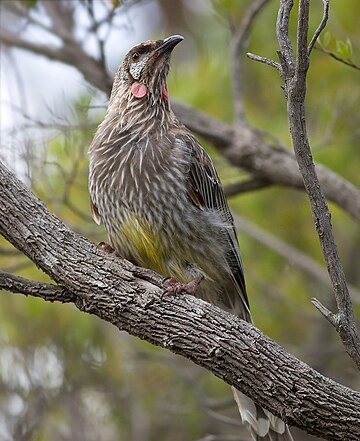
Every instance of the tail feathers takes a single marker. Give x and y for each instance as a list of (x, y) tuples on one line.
[(263, 425)]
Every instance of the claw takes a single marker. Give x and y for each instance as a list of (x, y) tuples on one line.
[(176, 287), (108, 249), (105, 247)]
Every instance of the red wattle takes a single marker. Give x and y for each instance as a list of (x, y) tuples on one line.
[(139, 90), (165, 93)]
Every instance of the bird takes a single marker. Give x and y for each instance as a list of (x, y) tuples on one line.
[(160, 199)]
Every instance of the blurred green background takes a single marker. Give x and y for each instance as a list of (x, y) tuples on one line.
[(65, 375)]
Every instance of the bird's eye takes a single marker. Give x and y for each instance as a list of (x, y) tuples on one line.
[(135, 56)]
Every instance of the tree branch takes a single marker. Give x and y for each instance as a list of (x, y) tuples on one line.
[(278, 166), (130, 298), (337, 58), (294, 73), (45, 291), (320, 27), (245, 186), (71, 53), (264, 60)]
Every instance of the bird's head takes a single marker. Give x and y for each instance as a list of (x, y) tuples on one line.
[(144, 69)]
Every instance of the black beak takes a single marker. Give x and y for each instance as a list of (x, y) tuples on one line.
[(168, 44)]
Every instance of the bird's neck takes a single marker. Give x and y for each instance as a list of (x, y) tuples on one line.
[(128, 116), (146, 114)]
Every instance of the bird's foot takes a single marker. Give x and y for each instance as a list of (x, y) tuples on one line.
[(176, 287), (108, 249)]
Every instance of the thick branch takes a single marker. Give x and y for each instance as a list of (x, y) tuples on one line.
[(246, 186), (130, 298), (70, 53), (295, 90), (278, 166)]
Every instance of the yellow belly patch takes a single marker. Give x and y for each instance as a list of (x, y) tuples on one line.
[(144, 244), (146, 247)]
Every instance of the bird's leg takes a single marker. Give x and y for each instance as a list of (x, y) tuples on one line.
[(108, 249), (105, 247), (176, 287)]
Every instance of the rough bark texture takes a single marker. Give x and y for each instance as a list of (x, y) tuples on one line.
[(130, 298)]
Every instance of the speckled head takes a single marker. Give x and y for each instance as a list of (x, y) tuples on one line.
[(146, 65)]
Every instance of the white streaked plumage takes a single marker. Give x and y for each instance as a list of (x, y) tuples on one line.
[(162, 204)]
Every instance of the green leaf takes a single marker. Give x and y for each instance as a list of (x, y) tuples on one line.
[(344, 49), (349, 45)]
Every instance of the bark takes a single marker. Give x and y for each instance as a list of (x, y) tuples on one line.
[(130, 298)]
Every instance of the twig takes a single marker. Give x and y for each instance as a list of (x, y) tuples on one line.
[(295, 89), (332, 318), (337, 58), (264, 60), (320, 27)]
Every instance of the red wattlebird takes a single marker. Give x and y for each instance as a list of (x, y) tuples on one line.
[(161, 201)]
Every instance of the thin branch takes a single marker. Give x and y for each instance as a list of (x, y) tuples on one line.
[(337, 58), (320, 27), (302, 58), (12, 40), (81, 214), (25, 13), (264, 60), (62, 19), (9, 251), (46, 291), (295, 90), (332, 318), (237, 44)]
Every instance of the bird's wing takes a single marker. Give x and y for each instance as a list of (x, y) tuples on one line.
[(206, 192)]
